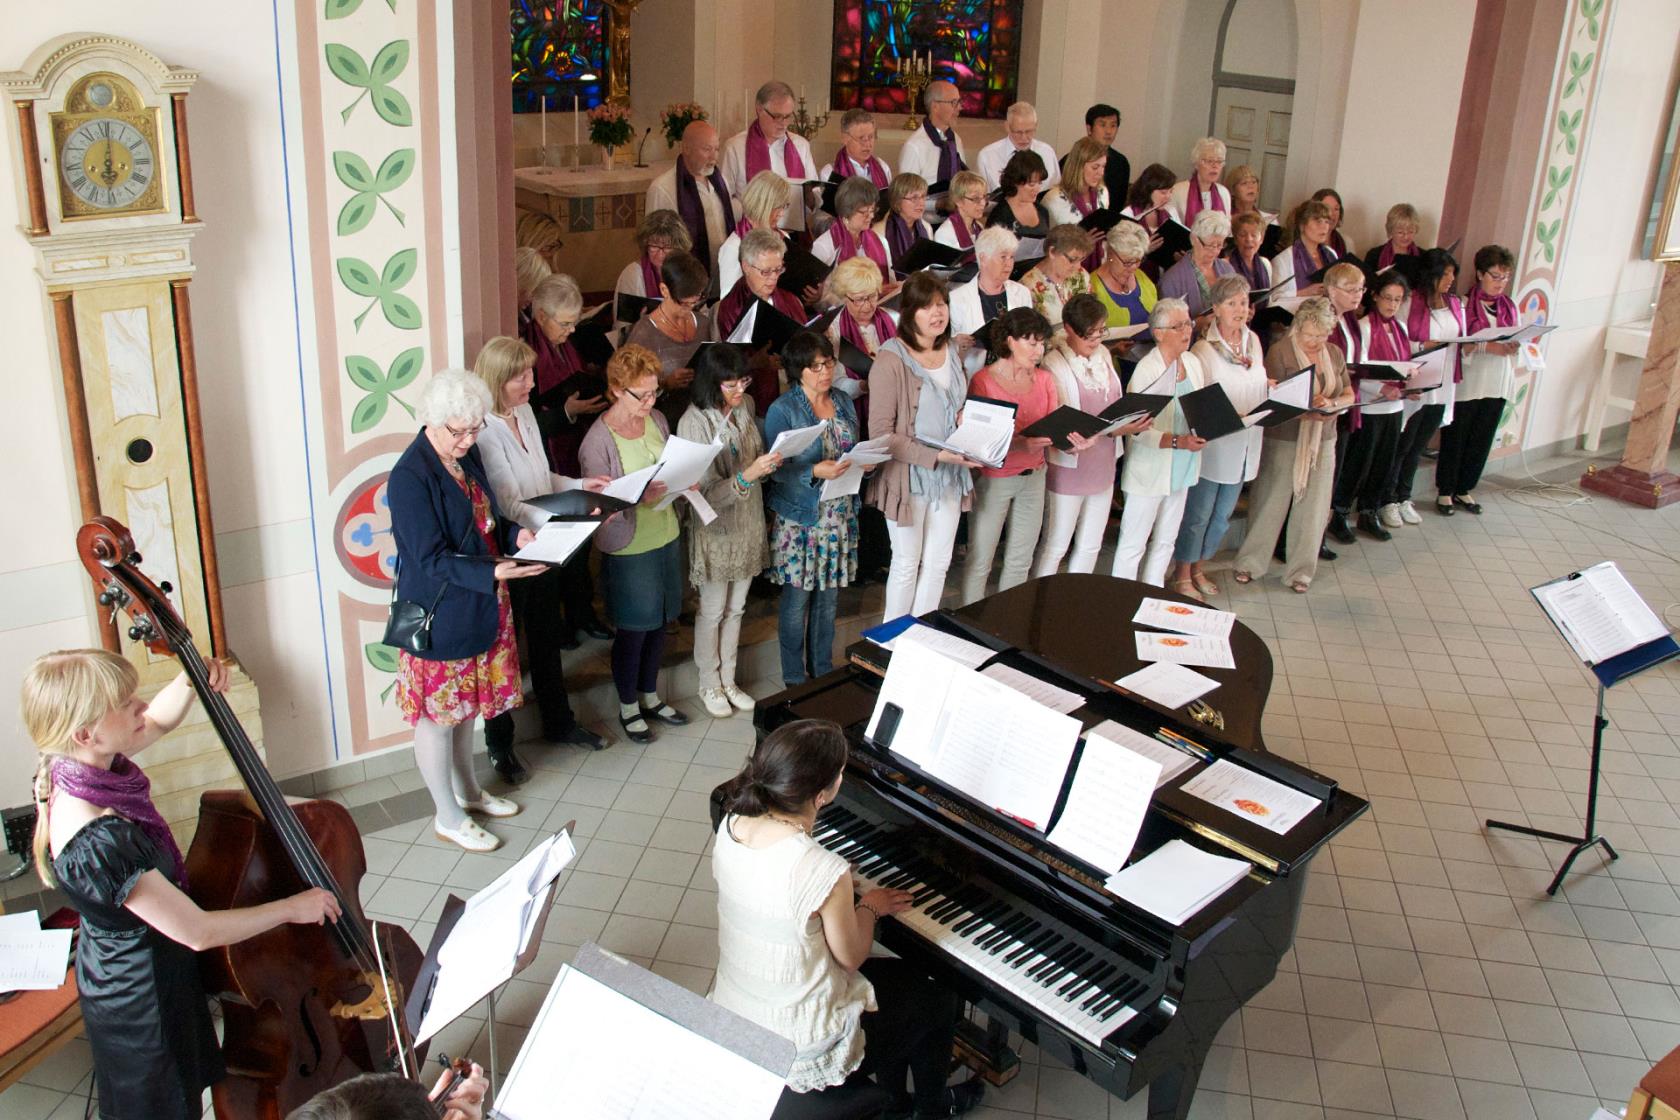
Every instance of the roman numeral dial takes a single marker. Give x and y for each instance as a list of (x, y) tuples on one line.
[(107, 165)]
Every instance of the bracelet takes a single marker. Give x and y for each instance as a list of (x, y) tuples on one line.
[(876, 914), (741, 481)]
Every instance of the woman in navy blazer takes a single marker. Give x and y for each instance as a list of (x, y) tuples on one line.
[(444, 519)]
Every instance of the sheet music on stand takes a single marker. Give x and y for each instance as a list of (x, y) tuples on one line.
[(1599, 613), (614, 1041)]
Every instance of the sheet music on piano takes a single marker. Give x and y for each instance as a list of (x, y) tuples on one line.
[(1106, 804)]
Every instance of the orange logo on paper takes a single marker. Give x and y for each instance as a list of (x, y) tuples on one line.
[(1174, 642), (1253, 808), (1176, 608)]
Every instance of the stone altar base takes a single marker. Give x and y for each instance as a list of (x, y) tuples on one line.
[(1651, 490)]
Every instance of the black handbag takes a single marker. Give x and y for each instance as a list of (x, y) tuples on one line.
[(409, 625)]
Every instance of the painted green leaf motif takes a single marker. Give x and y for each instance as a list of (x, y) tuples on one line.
[(389, 62), (352, 171), (1522, 391), (369, 412), (405, 367), (380, 655), (338, 9), (347, 66), (392, 107), (1556, 179), (401, 311), (400, 269), (358, 276), (357, 213), (365, 374), (394, 172)]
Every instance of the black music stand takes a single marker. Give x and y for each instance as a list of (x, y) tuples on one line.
[(1610, 672)]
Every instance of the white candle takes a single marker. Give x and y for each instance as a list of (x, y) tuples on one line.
[(746, 108), (545, 121), (577, 121)]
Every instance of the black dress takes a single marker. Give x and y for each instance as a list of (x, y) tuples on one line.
[(147, 1020)]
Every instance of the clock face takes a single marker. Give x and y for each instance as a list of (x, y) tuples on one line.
[(107, 164)]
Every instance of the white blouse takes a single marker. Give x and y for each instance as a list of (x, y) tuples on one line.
[(1235, 457), (516, 472), (774, 964)]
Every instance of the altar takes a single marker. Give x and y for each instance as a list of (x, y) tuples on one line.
[(597, 210)]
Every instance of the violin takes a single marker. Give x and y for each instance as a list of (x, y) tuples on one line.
[(303, 1007)]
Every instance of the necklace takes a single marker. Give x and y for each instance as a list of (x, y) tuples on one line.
[(801, 826)]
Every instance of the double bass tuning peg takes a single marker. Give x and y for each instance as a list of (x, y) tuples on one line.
[(136, 634)]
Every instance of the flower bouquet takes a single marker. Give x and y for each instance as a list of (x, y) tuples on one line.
[(677, 116)]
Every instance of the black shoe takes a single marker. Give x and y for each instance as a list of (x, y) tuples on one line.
[(1368, 523), (958, 1100), (570, 641), (600, 631), (1324, 552), (1338, 529), (636, 728), (1445, 509), (664, 714), (506, 764), (1467, 505), (578, 736)]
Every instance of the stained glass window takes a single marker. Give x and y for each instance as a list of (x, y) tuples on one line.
[(559, 50), (975, 43)]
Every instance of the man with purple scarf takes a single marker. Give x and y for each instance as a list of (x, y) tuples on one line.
[(935, 151), (696, 189), (767, 145)]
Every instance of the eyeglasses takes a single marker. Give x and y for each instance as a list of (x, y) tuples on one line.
[(822, 365), (660, 247), (463, 433), (1073, 258), (863, 298), (1095, 334), (1127, 262), (971, 198), (1184, 326), (735, 384), (920, 196), (645, 397), (1498, 277), (779, 118), (692, 303), (1351, 289), (767, 273), (946, 100)]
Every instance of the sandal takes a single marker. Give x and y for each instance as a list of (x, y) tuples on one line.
[(1186, 588), (1241, 576), (1204, 583), (1299, 586)]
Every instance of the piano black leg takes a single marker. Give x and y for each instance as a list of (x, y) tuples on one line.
[(1170, 1093)]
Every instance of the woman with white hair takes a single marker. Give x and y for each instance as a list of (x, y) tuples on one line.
[(445, 519), (1164, 460), (1198, 270), (1121, 285), (987, 296), (762, 252), (763, 204), (1081, 191), (1203, 190), (851, 233), (1298, 460)]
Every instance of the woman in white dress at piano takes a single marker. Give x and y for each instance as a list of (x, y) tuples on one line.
[(793, 945)]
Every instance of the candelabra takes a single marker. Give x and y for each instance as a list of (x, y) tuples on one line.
[(805, 123), (914, 78)]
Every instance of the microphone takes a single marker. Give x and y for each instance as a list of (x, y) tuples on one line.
[(639, 161)]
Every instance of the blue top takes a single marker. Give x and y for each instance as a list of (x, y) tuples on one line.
[(432, 520), (794, 492)]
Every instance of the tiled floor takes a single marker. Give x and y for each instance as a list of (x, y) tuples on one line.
[(1431, 979)]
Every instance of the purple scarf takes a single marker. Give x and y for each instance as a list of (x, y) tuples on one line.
[(901, 235), (950, 160), (874, 170), (694, 214), (1258, 277), (758, 154), (650, 278), (1084, 204), (852, 333), (1193, 197), (1476, 318), (125, 789), (1418, 324), (1386, 255), (865, 244), (959, 229), (1303, 263)]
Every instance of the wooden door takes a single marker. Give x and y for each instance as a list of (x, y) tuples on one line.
[(1255, 127)]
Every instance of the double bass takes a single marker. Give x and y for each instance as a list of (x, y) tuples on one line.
[(303, 1007)]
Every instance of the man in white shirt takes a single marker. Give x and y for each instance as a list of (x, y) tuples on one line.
[(696, 189), (935, 151), (857, 152), (1022, 123), (768, 145)]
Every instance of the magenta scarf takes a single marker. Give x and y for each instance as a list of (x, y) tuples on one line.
[(1477, 317), (650, 278), (875, 171), (964, 235), (950, 160), (1193, 198), (1386, 255), (901, 235), (1303, 263), (1389, 341), (758, 154), (852, 333), (1346, 337), (126, 790), (865, 244), (1084, 204), (694, 212), (1418, 323)]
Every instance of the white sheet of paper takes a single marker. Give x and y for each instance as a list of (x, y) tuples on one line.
[(1253, 797), (984, 434), (795, 440), (1176, 880), (1599, 613), (1029, 248), (1006, 751), (683, 464), (629, 487), (33, 960), (1295, 391), (1184, 649), (495, 926), (1054, 697), (1171, 760), (557, 540), (26, 921), (590, 1048), (702, 508), (847, 482), (1114, 334), (1184, 618), (868, 452), (970, 655), (743, 332), (918, 678), (1168, 684), (1106, 804)]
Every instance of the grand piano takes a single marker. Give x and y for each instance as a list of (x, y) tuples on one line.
[(1025, 930)]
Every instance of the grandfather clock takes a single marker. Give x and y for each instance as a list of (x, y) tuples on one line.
[(101, 128)]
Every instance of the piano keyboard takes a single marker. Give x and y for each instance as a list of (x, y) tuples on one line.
[(1077, 983)]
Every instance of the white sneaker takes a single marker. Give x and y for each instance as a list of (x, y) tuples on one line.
[(716, 703), (738, 698), (469, 836), (1409, 514), (1389, 515), (490, 805)]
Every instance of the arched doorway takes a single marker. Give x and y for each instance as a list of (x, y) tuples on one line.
[(1251, 106)]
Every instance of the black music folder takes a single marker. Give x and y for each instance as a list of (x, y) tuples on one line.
[(1175, 239), (1377, 371), (632, 308), (577, 505), (770, 329), (801, 269), (1065, 420), (1100, 220), (1209, 413), (928, 253), (1023, 267), (854, 359), (1289, 398), (1271, 240), (820, 321)]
